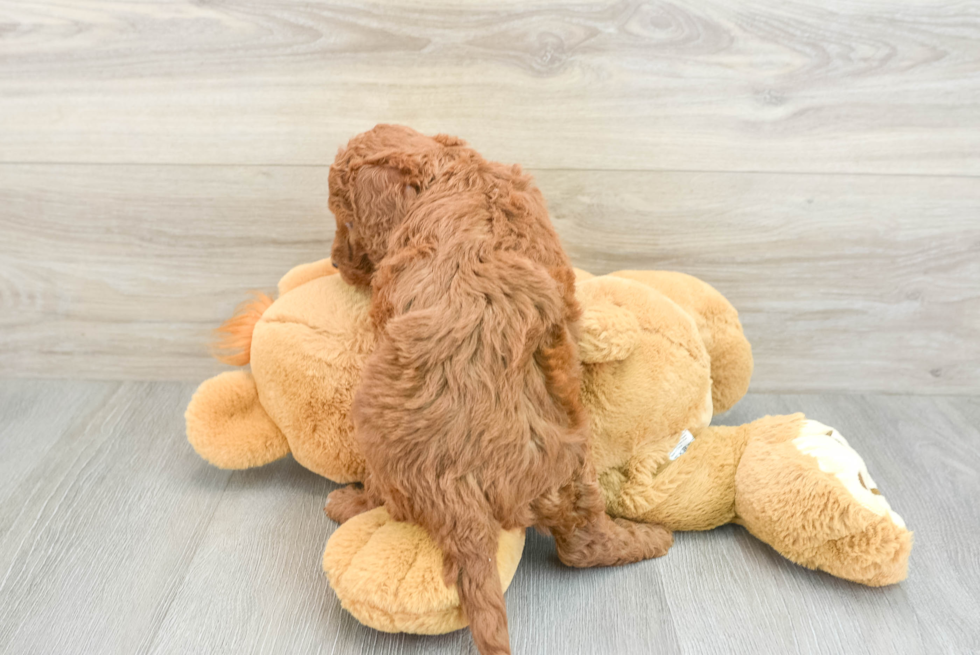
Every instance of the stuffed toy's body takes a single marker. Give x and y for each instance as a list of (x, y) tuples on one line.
[(662, 353)]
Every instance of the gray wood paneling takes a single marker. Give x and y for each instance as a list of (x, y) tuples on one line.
[(865, 283), (835, 86)]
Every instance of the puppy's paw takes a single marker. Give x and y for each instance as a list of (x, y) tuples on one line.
[(346, 503), (653, 539)]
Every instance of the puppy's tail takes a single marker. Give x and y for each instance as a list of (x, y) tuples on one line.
[(233, 343), (470, 552)]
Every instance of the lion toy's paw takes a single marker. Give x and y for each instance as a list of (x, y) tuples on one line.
[(389, 574)]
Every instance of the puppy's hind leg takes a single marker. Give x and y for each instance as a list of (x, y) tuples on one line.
[(586, 536), (347, 502)]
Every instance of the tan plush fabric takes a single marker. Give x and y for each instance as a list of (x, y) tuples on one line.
[(661, 352), (389, 574), (303, 273), (307, 353), (647, 375), (718, 325), (228, 426), (694, 492), (803, 506)]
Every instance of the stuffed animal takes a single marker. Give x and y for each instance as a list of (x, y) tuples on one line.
[(662, 353)]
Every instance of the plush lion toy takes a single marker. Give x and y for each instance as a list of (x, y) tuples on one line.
[(662, 353)]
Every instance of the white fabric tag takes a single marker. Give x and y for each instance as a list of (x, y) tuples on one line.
[(681, 447)]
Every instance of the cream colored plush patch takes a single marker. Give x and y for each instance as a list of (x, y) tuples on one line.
[(834, 455)]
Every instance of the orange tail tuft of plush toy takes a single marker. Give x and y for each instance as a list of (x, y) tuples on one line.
[(234, 338)]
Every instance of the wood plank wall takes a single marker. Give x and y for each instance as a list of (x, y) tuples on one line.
[(818, 162)]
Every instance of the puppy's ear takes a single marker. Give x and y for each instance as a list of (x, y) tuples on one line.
[(376, 180), (380, 192), (449, 141)]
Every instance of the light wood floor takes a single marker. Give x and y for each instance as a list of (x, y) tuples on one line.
[(116, 538)]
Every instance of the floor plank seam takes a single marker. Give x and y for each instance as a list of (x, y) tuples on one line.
[(78, 427), (175, 591)]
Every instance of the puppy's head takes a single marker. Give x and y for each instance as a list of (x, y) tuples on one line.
[(374, 182)]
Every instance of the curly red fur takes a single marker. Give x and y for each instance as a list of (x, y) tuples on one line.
[(468, 412)]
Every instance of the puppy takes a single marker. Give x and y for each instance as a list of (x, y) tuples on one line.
[(468, 411)]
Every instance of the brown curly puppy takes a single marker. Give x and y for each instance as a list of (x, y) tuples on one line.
[(468, 412)]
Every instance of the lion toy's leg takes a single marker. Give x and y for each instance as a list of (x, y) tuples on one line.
[(808, 494), (228, 426)]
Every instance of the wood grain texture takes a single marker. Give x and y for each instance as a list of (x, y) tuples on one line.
[(843, 282), (767, 85), (745, 591), (937, 451), (125, 542), (818, 162), (269, 528), (100, 534), (34, 415), (116, 272)]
